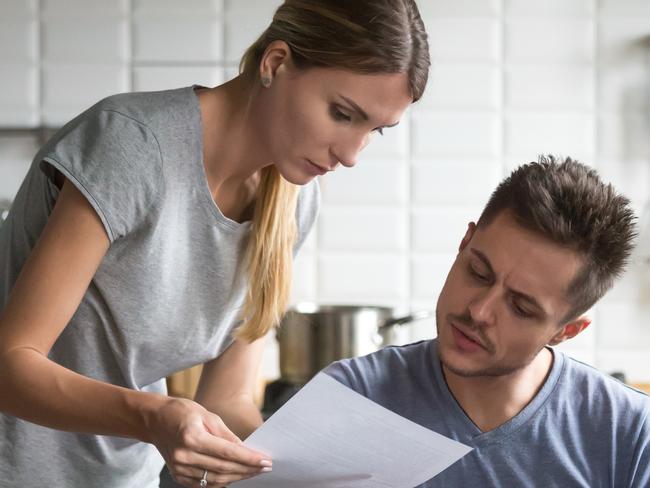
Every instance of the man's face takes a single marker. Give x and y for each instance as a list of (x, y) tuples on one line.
[(503, 300)]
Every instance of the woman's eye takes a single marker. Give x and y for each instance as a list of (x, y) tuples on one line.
[(339, 115), (380, 130)]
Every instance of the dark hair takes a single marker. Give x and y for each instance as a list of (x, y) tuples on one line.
[(364, 36), (567, 203)]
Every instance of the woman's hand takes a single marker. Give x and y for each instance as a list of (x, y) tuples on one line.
[(192, 440)]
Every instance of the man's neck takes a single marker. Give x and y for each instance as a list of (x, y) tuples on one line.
[(490, 401)]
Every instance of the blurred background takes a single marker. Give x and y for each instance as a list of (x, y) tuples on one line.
[(510, 79)]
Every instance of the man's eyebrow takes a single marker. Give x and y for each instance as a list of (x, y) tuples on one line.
[(362, 112), (483, 258), (517, 293)]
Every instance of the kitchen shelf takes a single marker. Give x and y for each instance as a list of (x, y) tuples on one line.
[(41, 133)]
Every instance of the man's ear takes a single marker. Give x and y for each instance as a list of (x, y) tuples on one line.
[(471, 228), (275, 55), (570, 330)]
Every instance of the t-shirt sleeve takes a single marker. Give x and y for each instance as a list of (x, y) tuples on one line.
[(114, 161), (344, 372), (306, 212), (640, 472)]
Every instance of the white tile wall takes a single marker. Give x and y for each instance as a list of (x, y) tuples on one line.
[(372, 229), (304, 283), (455, 133), (622, 40), (549, 41), (626, 8), (426, 276), (174, 7), (568, 133), (549, 8), (110, 41), (150, 78), (70, 88), (19, 95), (17, 8), (623, 87), (440, 229), (18, 39), (459, 8), (463, 40), (453, 183), (624, 135), (468, 87), (369, 182), (511, 79), (556, 87), (174, 39), (364, 278), (16, 152)]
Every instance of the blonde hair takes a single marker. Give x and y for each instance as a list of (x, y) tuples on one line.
[(269, 255), (363, 36)]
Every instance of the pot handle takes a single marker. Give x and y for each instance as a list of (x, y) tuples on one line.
[(419, 315)]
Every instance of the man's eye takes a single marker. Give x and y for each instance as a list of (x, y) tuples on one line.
[(477, 275), (522, 312)]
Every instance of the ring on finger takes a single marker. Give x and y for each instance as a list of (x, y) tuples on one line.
[(204, 479)]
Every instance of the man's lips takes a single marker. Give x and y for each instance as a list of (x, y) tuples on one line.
[(469, 335)]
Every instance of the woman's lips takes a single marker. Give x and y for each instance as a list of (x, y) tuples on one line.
[(315, 169)]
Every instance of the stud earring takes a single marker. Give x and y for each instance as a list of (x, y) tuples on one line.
[(266, 81)]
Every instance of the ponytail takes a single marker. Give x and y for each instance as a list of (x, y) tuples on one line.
[(269, 255)]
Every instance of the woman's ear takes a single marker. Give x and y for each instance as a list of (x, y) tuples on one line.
[(276, 54)]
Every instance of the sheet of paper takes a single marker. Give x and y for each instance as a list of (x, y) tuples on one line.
[(328, 436)]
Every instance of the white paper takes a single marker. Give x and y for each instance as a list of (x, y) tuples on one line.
[(328, 436)]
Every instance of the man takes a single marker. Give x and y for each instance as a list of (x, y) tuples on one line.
[(550, 242)]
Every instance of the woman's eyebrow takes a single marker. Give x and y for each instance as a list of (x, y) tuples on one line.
[(361, 111)]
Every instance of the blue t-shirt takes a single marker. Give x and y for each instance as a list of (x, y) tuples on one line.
[(583, 429)]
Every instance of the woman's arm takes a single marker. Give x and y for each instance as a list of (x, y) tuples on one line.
[(44, 298), (227, 386)]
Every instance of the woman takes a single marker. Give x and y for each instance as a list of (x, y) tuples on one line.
[(156, 231)]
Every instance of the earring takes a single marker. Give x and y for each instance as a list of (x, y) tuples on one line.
[(266, 81)]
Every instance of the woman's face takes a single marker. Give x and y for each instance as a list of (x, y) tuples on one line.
[(314, 119)]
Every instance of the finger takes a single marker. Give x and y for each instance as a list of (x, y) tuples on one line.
[(222, 466), (213, 480), (238, 453), (185, 481), (215, 425)]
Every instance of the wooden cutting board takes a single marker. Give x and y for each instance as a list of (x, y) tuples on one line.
[(642, 386)]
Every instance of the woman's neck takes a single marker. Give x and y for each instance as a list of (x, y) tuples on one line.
[(232, 161), (229, 154)]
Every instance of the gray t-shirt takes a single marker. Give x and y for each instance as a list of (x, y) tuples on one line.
[(166, 296), (583, 429)]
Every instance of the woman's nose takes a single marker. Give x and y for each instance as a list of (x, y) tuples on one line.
[(347, 152)]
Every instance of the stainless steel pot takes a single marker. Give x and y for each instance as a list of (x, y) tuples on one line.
[(311, 337)]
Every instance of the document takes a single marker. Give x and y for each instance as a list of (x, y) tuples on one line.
[(329, 436)]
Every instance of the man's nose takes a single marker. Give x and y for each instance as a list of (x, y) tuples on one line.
[(482, 307)]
